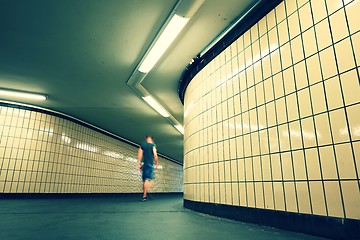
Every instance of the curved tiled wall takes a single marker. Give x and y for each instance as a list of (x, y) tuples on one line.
[(273, 122), (43, 152)]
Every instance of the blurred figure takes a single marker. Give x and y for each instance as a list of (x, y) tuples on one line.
[(147, 155)]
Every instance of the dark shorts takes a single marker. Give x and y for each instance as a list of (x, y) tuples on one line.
[(148, 173)]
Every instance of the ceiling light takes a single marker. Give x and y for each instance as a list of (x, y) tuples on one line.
[(155, 105), (11, 93), (170, 32), (180, 128), (176, 21)]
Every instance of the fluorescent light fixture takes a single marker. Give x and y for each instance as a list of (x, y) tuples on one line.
[(11, 93), (170, 32), (155, 105), (180, 128), (173, 25)]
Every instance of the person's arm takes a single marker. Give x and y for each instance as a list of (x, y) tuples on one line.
[(155, 157), (140, 156)]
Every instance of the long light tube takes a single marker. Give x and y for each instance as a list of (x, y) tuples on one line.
[(155, 105), (11, 93), (169, 34), (180, 128), (179, 17)]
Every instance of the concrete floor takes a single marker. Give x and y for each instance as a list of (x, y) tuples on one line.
[(122, 217)]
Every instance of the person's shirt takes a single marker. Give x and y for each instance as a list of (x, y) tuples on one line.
[(148, 154)]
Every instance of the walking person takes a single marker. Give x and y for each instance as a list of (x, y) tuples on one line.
[(147, 155)]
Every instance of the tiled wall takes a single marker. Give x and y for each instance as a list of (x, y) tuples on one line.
[(45, 153), (273, 122)]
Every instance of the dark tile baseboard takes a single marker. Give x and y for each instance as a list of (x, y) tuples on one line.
[(329, 227)]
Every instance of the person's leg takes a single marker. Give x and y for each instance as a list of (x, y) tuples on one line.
[(147, 185), (144, 178), (144, 189), (147, 177)]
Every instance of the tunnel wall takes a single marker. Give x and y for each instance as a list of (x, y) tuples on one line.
[(46, 152), (272, 123)]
